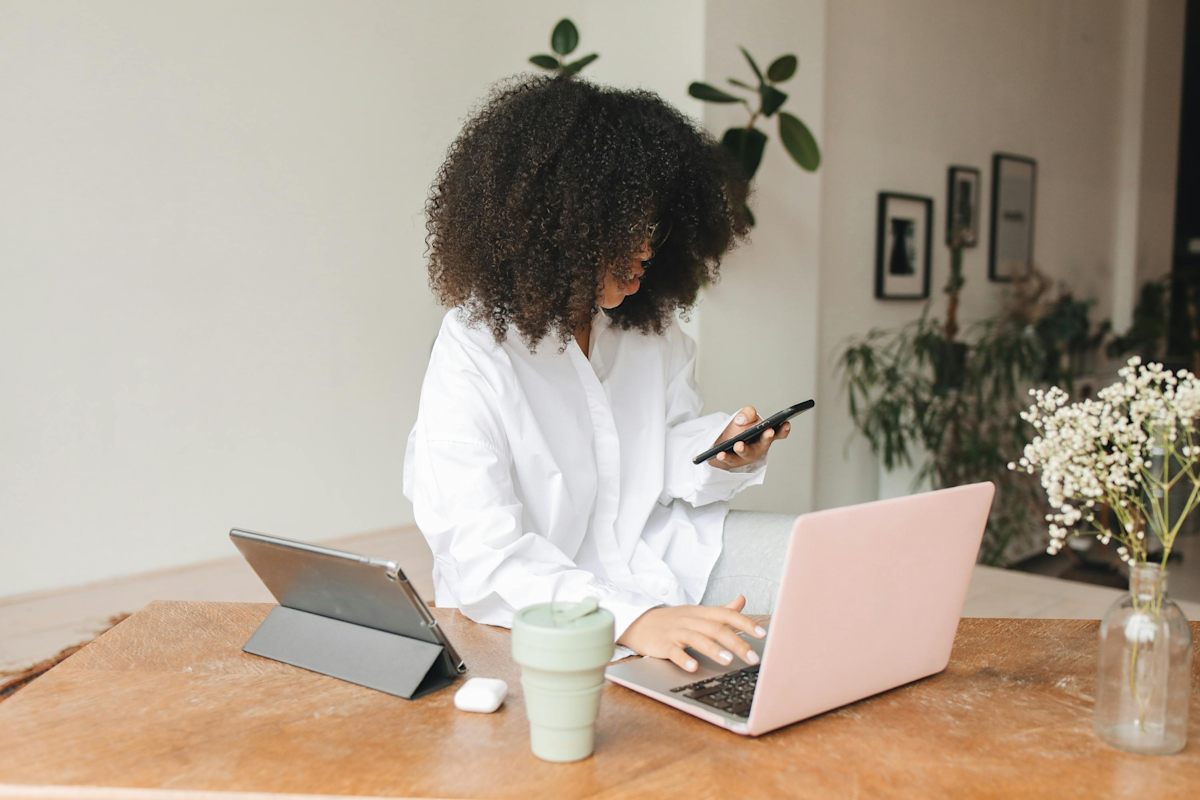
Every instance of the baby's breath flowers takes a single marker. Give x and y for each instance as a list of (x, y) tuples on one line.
[(1126, 449)]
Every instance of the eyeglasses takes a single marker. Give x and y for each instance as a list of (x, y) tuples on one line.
[(657, 232)]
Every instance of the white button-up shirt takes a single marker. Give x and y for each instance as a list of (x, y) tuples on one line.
[(562, 475)]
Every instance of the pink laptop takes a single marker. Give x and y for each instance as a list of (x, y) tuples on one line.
[(870, 599)]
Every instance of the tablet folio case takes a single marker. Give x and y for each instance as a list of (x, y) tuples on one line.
[(388, 662)]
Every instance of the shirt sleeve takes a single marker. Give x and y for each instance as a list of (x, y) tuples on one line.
[(689, 434)]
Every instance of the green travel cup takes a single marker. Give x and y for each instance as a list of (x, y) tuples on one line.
[(563, 649)]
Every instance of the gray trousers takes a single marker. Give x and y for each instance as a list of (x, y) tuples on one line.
[(751, 560)]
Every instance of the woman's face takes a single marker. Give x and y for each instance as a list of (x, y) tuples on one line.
[(614, 293)]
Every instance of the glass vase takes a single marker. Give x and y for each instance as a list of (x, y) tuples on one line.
[(1145, 668)]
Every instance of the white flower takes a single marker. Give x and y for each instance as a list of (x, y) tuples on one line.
[(1140, 628), (1103, 450)]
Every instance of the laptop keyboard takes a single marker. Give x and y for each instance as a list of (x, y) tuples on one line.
[(730, 692)]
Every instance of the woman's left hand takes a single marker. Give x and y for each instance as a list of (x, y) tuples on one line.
[(744, 453)]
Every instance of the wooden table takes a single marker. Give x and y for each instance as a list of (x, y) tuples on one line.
[(168, 701)]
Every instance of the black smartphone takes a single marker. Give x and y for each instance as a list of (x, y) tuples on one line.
[(750, 435)]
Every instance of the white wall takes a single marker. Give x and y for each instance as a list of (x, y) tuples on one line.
[(1161, 96), (759, 323), (1150, 91), (914, 87), (213, 303)]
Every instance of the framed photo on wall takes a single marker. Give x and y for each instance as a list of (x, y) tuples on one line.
[(1014, 190), (902, 246), (962, 205)]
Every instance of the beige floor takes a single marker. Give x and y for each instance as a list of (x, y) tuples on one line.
[(34, 627)]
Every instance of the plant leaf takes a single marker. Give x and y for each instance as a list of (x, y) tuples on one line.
[(544, 61), (747, 145), (575, 66), (772, 99), (753, 66), (736, 82), (711, 94), (782, 68), (799, 142), (565, 37), (749, 215)]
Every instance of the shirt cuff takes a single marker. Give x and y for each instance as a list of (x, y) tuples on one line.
[(626, 607), (621, 651), (722, 484)]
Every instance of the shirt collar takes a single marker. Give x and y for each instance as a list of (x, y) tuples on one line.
[(600, 321)]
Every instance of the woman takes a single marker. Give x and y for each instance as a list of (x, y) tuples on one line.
[(552, 453)]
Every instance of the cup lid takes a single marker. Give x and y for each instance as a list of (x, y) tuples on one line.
[(556, 628), (582, 616)]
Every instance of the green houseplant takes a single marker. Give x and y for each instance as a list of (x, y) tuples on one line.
[(563, 41), (747, 142), (1147, 335), (947, 400)]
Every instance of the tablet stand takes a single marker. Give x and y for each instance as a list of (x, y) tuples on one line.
[(388, 662)]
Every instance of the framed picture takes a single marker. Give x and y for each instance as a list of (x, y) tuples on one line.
[(962, 205), (902, 246), (1014, 188)]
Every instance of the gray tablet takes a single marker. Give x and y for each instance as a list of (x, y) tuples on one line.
[(370, 592)]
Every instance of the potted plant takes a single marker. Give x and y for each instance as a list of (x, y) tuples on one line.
[(1125, 451), (747, 143), (951, 396), (563, 41)]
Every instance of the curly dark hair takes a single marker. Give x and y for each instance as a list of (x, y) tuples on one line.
[(541, 195)]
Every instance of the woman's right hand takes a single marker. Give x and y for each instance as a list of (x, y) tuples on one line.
[(711, 630)]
